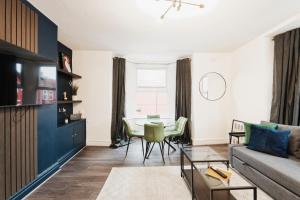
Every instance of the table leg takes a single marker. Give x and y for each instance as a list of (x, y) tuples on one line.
[(181, 162), (255, 193), (192, 181)]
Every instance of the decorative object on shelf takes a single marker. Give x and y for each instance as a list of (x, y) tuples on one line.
[(65, 96), (66, 62), (177, 4), (74, 91), (62, 110), (66, 116), (74, 117), (212, 86)]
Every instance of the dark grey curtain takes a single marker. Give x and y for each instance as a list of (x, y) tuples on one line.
[(118, 98), (286, 78), (183, 94)]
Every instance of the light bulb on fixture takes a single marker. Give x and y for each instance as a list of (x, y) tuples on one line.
[(179, 6), (174, 3)]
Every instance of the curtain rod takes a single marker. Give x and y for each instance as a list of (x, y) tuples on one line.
[(146, 63)]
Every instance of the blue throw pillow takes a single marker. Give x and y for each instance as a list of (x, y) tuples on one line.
[(269, 141)]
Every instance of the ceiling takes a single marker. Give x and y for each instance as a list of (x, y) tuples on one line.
[(134, 26)]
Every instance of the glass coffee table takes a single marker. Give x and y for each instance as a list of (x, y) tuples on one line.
[(194, 163)]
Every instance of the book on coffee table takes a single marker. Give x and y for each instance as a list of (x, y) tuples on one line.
[(212, 173)]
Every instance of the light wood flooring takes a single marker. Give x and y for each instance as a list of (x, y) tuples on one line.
[(83, 177)]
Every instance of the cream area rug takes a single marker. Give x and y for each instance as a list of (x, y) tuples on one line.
[(153, 183)]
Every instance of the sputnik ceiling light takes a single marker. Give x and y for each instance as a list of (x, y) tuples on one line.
[(177, 4)]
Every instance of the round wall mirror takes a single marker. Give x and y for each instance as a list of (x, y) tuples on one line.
[(212, 86)]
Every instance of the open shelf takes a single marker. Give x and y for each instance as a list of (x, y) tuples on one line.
[(9, 49), (65, 80), (70, 122), (74, 76), (69, 102)]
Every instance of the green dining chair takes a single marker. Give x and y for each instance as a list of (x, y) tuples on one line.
[(153, 116), (154, 133), (132, 133), (177, 131)]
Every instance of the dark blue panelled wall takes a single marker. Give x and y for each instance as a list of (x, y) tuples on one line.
[(47, 119), (47, 116), (55, 144), (47, 136), (47, 39)]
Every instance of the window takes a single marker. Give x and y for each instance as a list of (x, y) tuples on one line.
[(154, 78), (150, 90), (152, 102)]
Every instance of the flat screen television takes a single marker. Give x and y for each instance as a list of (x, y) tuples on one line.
[(25, 82)]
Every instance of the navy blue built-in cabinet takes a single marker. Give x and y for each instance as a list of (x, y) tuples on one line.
[(72, 138), (56, 143)]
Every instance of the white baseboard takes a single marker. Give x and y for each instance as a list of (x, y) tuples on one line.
[(100, 143), (210, 141)]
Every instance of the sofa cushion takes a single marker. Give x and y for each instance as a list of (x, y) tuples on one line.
[(269, 141), (248, 129), (284, 171), (294, 141)]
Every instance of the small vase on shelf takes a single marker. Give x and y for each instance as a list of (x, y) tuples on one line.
[(65, 96)]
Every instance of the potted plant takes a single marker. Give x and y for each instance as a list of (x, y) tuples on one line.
[(74, 91)]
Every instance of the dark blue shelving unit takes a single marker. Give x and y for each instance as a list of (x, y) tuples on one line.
[(56, 142)]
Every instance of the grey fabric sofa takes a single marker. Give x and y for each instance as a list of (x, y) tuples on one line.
[(279, 177)]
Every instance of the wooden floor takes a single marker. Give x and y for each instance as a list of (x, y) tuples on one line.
[(83, 177)]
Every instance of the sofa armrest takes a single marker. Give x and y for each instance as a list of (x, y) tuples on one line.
[(230, 150)]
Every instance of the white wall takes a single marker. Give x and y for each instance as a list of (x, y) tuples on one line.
[(252, 83), (247, 70), (211, 119), (249, 74), (95, 89)]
